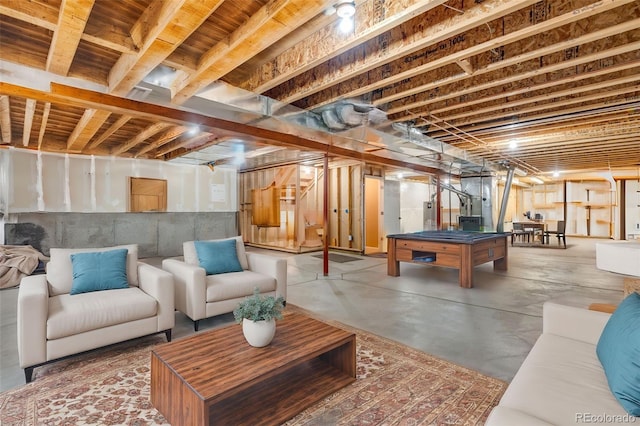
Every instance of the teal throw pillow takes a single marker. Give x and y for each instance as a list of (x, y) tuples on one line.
[(619, 353), (218, 257), (102, 270)]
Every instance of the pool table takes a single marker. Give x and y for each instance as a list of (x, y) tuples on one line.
[(462, 250)]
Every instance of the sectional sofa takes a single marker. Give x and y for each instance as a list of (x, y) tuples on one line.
[(562, 380)]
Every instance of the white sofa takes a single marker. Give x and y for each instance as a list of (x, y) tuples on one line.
[(622, 257), (53, 323), (200, 296), (561, 381)]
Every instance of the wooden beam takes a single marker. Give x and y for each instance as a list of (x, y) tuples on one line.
[(372, 17), (36, 13), (466, 66), (505, 103), (142, 136), (157, 34), (429, 35), (111, 130), (597, 109), (166, 137), (272, 22), (481, 89), (86, 128), (538, 53), (554, 105), (536, 87), (533, 129), (43, 123), (71, 22), (111, 37), (5, 118), (45, 16), (29, 112), (194, 141)]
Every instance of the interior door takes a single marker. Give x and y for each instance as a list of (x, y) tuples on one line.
[(373, 215)]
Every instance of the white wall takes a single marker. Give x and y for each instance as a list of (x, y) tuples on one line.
[(413, 195), (34, 181), (632, 206)]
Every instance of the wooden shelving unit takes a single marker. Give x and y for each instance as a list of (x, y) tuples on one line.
[(548, 200), (591, 207)]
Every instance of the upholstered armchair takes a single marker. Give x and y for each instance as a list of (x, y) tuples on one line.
[(214, 279), (90, 298)]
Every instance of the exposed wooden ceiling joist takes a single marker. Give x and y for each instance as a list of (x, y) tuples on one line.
[(471, 74), (268, 25)]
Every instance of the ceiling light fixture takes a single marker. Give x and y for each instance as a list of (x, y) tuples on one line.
[(346, 11), (519, 172)]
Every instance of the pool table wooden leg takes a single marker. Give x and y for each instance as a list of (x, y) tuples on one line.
[(393, 265), (466, 266), (501, 264)]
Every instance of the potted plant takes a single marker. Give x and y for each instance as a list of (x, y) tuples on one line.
[(258, 316)]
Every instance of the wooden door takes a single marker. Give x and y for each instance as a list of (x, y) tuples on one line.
[(147, 195), (373, 221)]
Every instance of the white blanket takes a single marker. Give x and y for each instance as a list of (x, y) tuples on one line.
[(17, 262)]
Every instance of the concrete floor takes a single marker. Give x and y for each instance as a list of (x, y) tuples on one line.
[(489, 328)]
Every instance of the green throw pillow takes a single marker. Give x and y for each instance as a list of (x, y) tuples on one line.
[(619, 353), (102, 270), (218, 257)]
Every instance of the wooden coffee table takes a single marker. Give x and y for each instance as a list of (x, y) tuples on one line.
[(216, 377)]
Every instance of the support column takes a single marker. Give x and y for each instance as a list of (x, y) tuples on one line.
[(438, 205), (325, 216)]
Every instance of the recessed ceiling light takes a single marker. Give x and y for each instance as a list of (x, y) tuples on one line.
[(513, 144), (346, 9), (556, 174)]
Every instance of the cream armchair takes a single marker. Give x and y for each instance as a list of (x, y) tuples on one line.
[(200, 296), (53, 323)]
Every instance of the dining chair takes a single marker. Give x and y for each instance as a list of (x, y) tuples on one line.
[(519, 232), (559, 233)]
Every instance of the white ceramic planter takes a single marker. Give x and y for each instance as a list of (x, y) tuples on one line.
[(259, 333)]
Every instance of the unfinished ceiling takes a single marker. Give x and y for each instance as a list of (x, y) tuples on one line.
[(458, 85)]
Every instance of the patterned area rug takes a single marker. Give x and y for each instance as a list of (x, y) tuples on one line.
[(395, 385)]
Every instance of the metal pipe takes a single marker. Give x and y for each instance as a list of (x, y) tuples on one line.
[(505, 200), (453, 189)]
